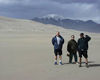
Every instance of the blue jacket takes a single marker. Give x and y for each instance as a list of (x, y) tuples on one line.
[(54, 42)]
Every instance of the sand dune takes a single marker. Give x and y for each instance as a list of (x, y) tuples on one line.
[(26, 53)]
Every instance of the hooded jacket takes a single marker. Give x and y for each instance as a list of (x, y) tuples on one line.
[(83, 43), (55, 44)]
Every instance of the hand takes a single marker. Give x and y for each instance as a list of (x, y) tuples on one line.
[(86, 35), (68, 54)]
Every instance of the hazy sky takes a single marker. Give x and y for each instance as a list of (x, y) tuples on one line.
[(74, 9)]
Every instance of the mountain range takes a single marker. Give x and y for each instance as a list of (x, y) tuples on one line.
[(89, 25)]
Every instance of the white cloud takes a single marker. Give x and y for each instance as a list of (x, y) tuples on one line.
[(31, 8)]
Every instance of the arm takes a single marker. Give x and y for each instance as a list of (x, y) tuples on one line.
[(88, 38), (62, 40), (53, 41), (68, 47), (78, 44)]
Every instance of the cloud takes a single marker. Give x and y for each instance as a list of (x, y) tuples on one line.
[(74, 9), (76, 1)]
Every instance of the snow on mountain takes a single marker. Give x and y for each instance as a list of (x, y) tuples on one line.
[(81, 25), (53, 16)]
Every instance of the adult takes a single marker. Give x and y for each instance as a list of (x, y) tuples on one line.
[(83, 48), (58, 42)]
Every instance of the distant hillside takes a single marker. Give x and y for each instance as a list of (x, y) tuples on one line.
[(21, 25), (89, 25)]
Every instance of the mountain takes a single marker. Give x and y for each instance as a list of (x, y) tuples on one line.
[(53, 16), (81, 25)]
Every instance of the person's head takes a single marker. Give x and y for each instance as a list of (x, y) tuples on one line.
[(72, 37), (58, 34), (81, 35)]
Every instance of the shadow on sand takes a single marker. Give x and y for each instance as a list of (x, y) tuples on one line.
[(88, 62), (82, 62), (94, 65), (91, 64)]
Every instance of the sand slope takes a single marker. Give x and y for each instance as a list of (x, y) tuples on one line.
[(26, 53)]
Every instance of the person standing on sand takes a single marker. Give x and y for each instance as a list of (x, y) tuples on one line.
[(58, 42), (72, 49), (83, 48)]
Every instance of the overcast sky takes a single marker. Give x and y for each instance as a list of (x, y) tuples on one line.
[(73, 9)]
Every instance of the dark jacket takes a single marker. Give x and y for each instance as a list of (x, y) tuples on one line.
[(72, 46), (83, 43), (54, 42)]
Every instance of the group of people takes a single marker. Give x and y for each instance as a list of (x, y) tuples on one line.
[(73, 46)]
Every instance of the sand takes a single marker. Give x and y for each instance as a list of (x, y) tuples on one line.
[(26, 53)]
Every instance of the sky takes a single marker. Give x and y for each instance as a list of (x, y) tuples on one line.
[(71, 9)]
